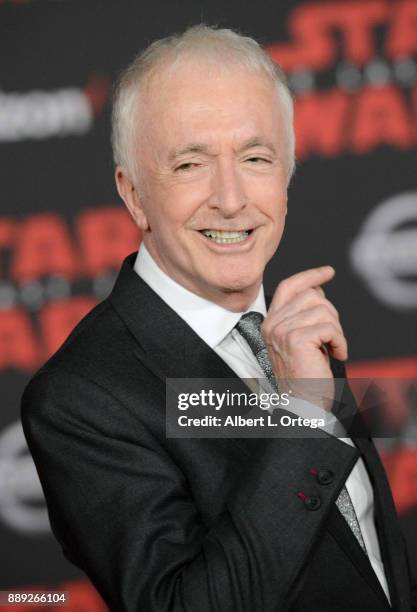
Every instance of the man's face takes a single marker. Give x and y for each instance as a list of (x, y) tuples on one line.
[(212, 159)]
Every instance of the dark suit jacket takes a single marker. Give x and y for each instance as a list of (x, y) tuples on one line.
[(192, 525)]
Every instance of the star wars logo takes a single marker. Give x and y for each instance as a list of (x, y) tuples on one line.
[(352, 68), (53, 274)]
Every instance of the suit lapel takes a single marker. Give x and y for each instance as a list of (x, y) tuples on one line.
[(341, 532), (386, 520), (165, 341)]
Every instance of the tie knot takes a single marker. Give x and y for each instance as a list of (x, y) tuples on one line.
[(249, 326)]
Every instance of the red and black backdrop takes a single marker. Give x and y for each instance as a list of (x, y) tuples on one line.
[(352, 66)]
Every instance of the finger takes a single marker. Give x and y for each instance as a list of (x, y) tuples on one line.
[(278, 332), (301, 281), (311, 316), (317, 335), (320, 291), (302, 301)]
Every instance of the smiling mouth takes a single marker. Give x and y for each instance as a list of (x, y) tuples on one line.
[(223, 237)]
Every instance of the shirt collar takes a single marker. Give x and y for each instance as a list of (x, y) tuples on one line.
[(192, 308)]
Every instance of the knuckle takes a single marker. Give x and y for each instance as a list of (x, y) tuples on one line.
[(330, 308), (294, 338), (331, 327), (327, 309), (322, 309), (311, 294), (335, 330), (277, 331), (282, 287)]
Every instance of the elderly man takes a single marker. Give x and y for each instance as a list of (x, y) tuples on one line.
[(204, 149)]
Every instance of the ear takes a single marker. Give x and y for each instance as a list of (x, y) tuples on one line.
[(130, 197)]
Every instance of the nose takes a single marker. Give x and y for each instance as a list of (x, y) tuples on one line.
[(228, 194)]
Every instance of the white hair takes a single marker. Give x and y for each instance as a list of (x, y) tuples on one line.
[(225, 48)]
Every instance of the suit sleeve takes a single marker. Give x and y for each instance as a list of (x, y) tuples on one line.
[(122, 510)]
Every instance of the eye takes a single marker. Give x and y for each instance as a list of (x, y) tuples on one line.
[(186, 166), (258, 159)]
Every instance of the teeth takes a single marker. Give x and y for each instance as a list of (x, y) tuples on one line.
[(226, 237)]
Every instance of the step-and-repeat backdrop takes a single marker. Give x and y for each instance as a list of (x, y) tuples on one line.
[(352, 66)]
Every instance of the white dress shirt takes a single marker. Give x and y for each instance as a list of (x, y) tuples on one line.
[(216, 327)]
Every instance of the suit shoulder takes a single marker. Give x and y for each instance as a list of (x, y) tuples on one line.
[(96, 360), (98, 347), (99, 333)]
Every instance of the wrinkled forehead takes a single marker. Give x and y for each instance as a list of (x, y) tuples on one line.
[(178, 91)]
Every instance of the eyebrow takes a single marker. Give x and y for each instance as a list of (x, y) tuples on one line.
[(192, 147), (198, 147), (255, 141)]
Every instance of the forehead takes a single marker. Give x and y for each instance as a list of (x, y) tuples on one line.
[(213, 102)]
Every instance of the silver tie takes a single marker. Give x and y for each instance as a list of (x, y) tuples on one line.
[(249, 327)]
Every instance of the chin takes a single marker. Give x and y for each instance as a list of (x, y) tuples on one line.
[(235, 283)]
